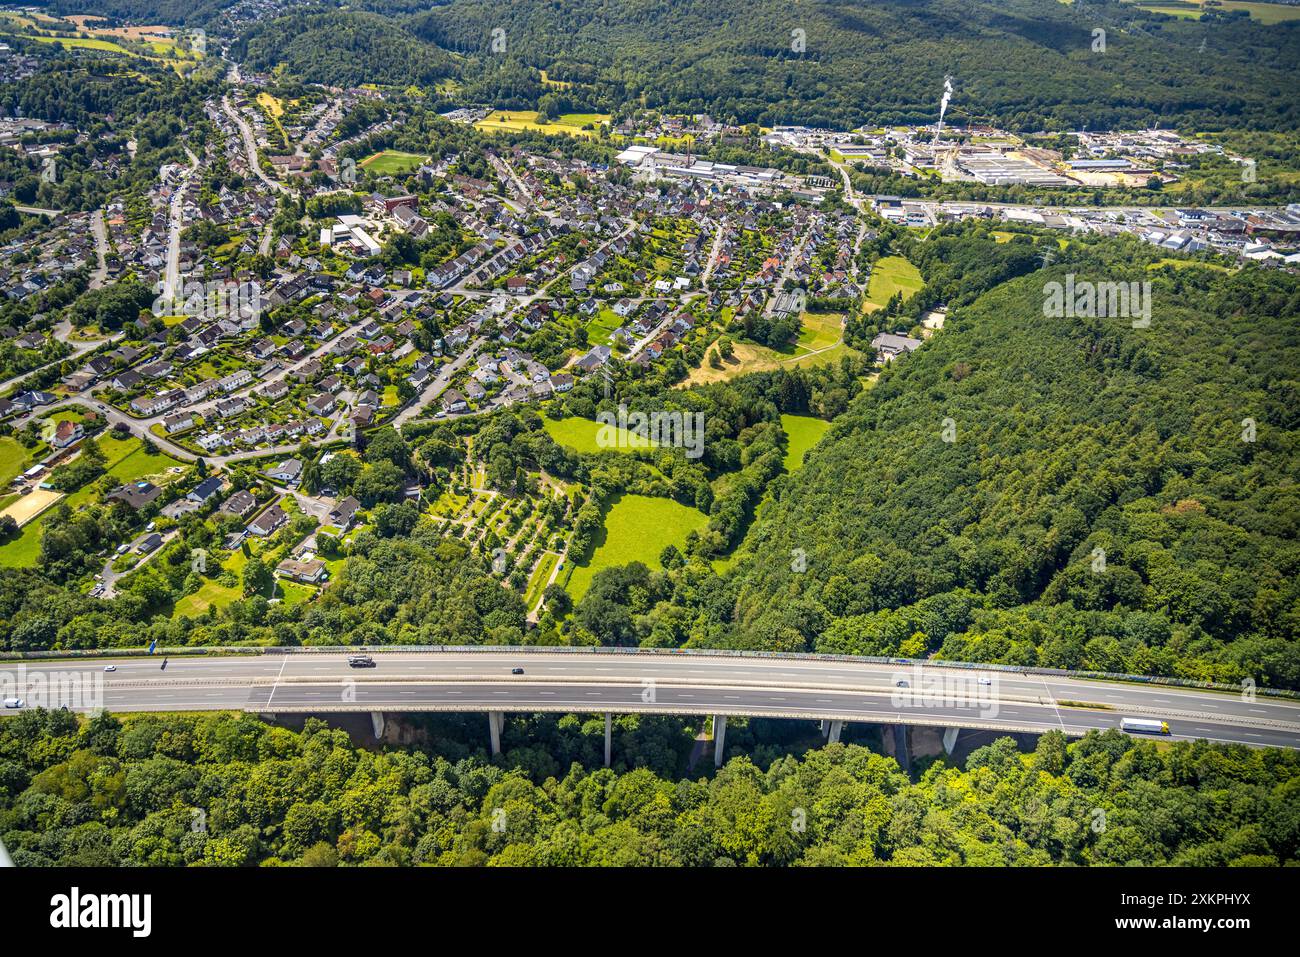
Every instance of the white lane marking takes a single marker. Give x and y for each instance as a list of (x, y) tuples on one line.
[(1052, 698), (277, 680)]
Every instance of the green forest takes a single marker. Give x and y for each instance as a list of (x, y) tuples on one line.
[(222, 790), (1028, 64), (1172, 449)]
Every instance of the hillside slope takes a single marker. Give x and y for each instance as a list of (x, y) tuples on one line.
[(1098, 508)]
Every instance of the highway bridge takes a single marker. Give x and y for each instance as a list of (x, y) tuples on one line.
[(826, 689)]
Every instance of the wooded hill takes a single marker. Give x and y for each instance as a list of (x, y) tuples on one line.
[(1098, 508), (1027, 64)]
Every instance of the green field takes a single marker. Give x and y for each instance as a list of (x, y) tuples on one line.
[(15, 458), (803, 432), (820, 341), (601, 326), (126, 461), (580, 435), (1266, 13), (817, 331), (212, 592), (570, 124), (888, 276), (538, 579), (637, 528), (390, 162)]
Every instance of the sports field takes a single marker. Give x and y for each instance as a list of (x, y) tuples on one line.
[(391, 162), (28, 506)]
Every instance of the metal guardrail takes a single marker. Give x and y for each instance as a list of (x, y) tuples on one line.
[(224, 650)]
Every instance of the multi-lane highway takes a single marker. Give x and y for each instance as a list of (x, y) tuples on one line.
[(792, 687)]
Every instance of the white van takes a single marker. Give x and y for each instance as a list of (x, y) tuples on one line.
[(13, 702)]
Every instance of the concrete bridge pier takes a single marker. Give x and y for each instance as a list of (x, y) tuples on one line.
[(609, 737), (901, 752), (377, 722), (496, 722), (719, 738), (950, 736), (833, 729)]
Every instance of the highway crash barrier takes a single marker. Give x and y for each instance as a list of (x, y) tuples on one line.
[(223, 651)]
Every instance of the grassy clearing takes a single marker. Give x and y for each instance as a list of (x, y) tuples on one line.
[(803, 432), (888, 276), (818, 330), (637, 528), (212, 592), (581, 434), (601, 326), (820, 341), (15, 458)]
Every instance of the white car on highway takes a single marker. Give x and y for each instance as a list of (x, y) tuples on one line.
[(13, 702)]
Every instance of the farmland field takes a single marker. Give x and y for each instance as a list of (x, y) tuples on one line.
[(637, 528), (1266, 13), (570, 124)]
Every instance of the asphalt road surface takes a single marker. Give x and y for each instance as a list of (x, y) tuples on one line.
[(671, 683)]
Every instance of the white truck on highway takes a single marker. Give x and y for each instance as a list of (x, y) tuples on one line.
[(1144, 726)]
